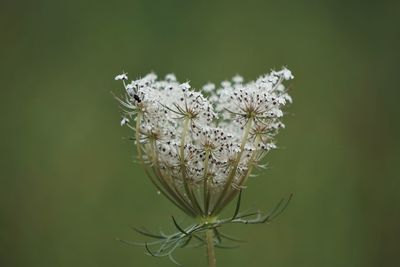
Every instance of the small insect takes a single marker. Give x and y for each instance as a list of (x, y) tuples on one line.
[(137, 98)]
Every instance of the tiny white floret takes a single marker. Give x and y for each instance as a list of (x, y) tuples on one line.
[(122, 76)]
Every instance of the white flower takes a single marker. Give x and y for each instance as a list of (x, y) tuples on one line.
[(208, 87), (185, 86), (287, 74), (198, 145), (122, 76), (237, 79), (226, 84), (170, 77)]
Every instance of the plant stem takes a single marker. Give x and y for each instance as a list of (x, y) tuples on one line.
[(187, 186), (205, 185), (228, 184), (210, 248)]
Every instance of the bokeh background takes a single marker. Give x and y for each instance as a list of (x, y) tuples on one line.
[(68, 182)]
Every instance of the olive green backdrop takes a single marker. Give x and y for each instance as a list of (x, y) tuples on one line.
[(68, 182)]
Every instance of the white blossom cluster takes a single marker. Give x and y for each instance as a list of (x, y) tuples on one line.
[(200, 146)]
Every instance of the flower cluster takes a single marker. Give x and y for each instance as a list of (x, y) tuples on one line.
[(199, 147)]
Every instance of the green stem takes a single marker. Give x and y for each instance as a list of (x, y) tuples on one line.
[(187, 186), (244, 178), (137, 136), (165, 182), (205, 185), (147, 171), (218, 207), (210, 248)]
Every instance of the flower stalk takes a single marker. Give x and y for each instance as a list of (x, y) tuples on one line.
[(218, 207), (212, 262)]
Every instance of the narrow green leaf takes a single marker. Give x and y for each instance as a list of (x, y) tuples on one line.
[(146, 233), (178, 227), (231, 238), (237, 205)]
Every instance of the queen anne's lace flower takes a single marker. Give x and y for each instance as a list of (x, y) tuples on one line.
[(199, 147)]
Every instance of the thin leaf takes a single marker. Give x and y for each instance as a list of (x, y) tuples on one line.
[(149, 251), (146, 233), (284, 207), (173, 260), (272, 212), (226, 247), (217, 235), (187, 241), (231, 238), (237, 205), (178, 227), (130, 242)]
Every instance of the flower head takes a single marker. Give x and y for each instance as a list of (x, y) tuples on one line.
[(200, 147)]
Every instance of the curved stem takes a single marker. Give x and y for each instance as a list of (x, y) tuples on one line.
[(244, 178), (186, 184), (147, 171), (205, 185), (137, 137), (210, 248), (228, 183), (165, 182)]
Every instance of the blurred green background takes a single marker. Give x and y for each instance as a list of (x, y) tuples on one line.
[(68, 184)]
